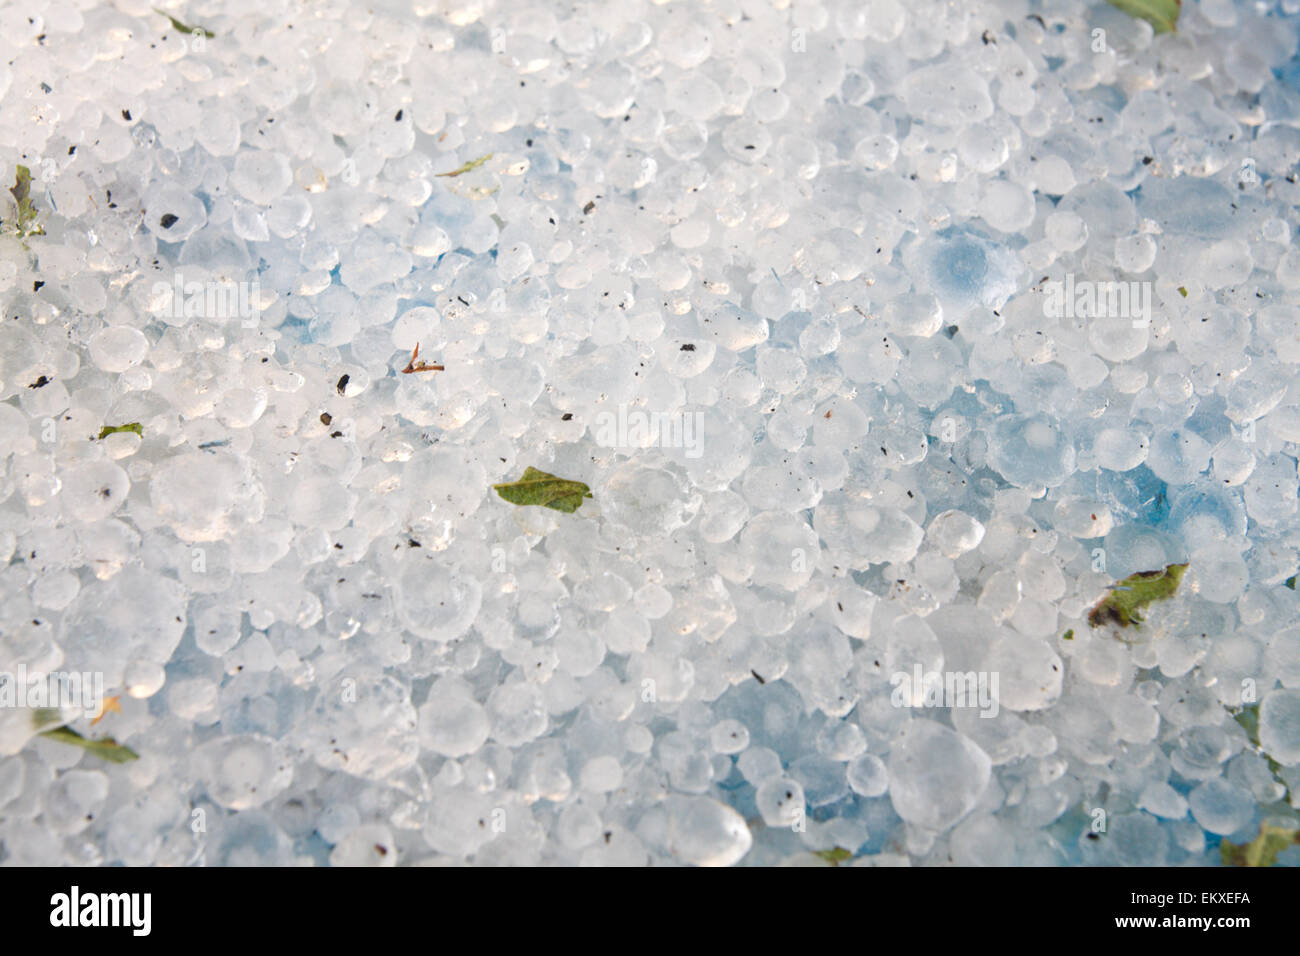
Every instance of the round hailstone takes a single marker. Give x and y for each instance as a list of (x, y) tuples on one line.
[(242, 771), (74, 800), (627, 631), (363, 726), (1177, 456), (728, 737), (936, 775), (950, 97), (780, 369), (175, 214), (1222, 807), (435, 601), (851, 609), (724, 513), (1136, 253), (136, 615), (203, 496), (868, 776), (577, 826), (647, 500), (601, 775), (430, 241), (514, 260), (1030, 450), (143, 678), (1218, 572), (1120, 338), (1007, 207), (876, 152), (779, 487), (451, 721), (93, 490), (1279, 726), (875, 535), (260, 176), (714, 448), (218, 130), (686, 358), (954, 533), (241, 407), (369, 845), (1029, 672), (984, 841), (703, 832), (1162, 800), (336, 821), (192, 699), (518, 713), (218, 626), (55, 590), (460, 822), (782, 549), (780, 801), (118, 348), (1120, 449), (442, 481), (914, 314), (1066, 231), (736, 329)]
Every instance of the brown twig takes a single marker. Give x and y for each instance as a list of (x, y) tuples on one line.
[(421, 366)]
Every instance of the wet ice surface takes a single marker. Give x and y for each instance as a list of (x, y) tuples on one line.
[(887, 337)]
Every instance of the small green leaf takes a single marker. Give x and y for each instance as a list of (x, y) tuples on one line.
[(183, 28), (466, 167), (539, 488), (1129, 597), (1182, 290), (1290, 582), (834, 856), (1261, 851), (1068, 635), (1161, 14), (105, 747), (114, 429), (25, 223), (1248, 718)]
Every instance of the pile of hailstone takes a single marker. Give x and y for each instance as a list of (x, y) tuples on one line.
[(820, 300)]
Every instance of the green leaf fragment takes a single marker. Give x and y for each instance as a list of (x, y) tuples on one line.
[(1129, 597), (467, 167), (834, 856), (43, 716), (185, 28), (1290, 582), (1248, 719), (1261, 851), (114, 429), (1161, 14), (1182, 290), (539, 488), (1068, 635), (104, 747), (25, 223)]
